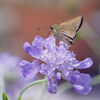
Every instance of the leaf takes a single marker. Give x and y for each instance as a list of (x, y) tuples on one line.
[(4, 96), (19, 98)]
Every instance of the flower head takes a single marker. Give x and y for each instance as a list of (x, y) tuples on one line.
[(58, 62)]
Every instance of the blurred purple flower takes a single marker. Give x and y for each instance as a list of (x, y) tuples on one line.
[(11, 81), (58, 62)]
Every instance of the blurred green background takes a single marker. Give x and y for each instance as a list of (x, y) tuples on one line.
[(19, 20)]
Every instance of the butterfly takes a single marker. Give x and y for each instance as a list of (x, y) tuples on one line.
[(67, 31)]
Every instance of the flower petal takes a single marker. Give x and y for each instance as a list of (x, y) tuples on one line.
[(28, 69), (82, 88), (38, 42), (52, 85), (58, 75), (28, 49), (87, 63), (50, 43), (43, 69), (85, 78), (63, 45), (36, 49), (79, 81)]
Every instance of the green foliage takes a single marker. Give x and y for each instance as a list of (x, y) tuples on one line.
[(79, 35), (19, 98), (4, 96)]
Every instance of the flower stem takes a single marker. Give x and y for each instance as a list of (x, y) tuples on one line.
[(28, 86), (96, 80)]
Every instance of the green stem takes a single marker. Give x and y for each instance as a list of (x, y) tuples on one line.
[(28, 86), (96, 80), (65, 86)]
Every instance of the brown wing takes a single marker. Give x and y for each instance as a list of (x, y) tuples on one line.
[(70, 28), (67, 40)]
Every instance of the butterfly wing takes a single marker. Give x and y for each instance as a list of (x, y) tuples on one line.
[(67, 40), (69, 29)]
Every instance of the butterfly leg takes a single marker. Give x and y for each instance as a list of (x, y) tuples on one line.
[(49, 33)]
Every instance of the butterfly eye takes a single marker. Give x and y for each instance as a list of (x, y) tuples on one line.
[(51, 27)]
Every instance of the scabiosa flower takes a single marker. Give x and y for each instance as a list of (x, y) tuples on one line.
[(58, 62)]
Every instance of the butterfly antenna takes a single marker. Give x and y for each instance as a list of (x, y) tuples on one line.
[(42, 28)]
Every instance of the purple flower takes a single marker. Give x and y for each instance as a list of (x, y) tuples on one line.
[(10, 81), (58, 62)]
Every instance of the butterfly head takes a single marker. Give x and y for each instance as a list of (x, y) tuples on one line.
[(54, 29)]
